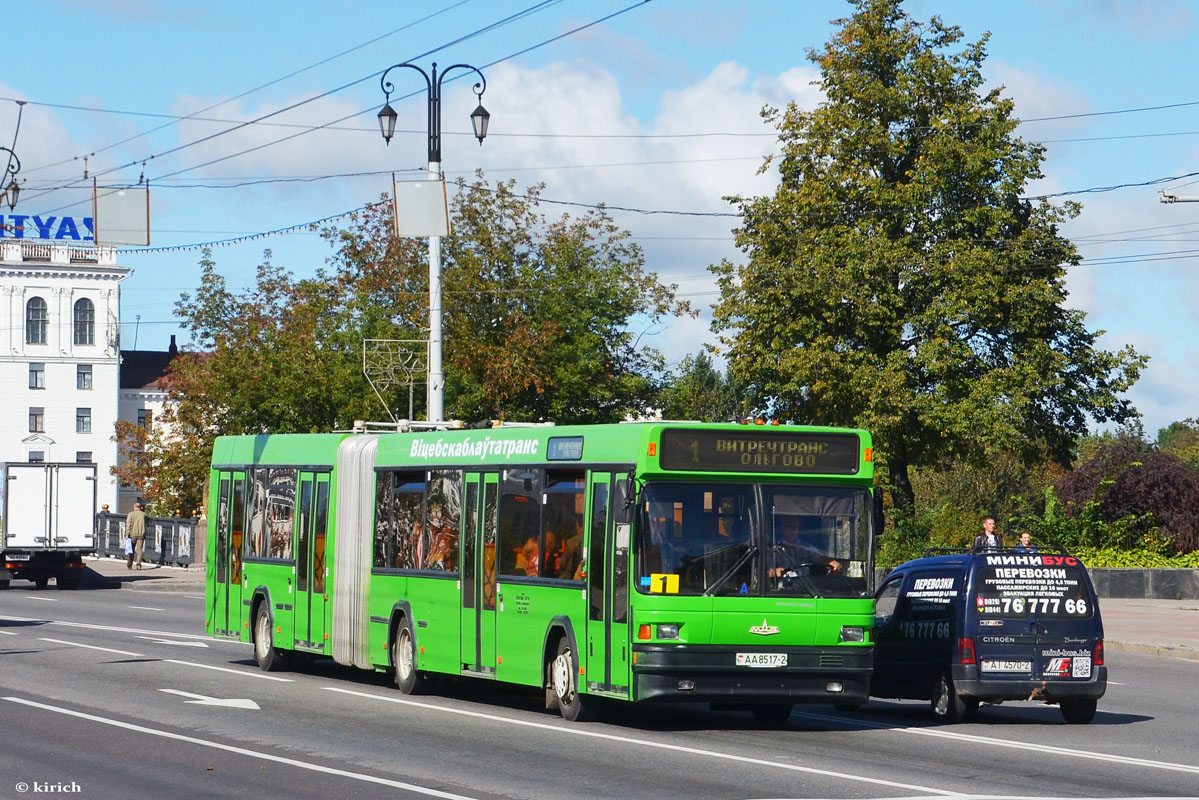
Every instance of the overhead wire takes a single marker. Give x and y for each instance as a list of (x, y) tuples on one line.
[(492, 26), (174, 119)]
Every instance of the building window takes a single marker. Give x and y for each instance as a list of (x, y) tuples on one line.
[(83, 457), (83, 420), (37, 419), (145, 418), (37, 376), (83, 376), (37, 456), (85, 322), (37, 315)]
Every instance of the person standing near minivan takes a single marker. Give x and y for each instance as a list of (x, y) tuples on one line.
[(989, 539)]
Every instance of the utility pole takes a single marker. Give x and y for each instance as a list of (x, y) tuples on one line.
[(387, 124)]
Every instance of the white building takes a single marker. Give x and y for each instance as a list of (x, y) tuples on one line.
[(60, 359)]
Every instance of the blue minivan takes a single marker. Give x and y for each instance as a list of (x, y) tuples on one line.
[(960, 629)]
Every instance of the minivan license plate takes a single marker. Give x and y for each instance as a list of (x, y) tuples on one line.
[(1006, 666), (761, 659)]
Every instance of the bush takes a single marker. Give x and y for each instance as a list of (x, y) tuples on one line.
[(1099, 558), (1148, 500)]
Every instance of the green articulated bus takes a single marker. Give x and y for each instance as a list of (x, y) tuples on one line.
[(647, 561)]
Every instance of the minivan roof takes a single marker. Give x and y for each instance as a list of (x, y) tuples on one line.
[(963, 557)]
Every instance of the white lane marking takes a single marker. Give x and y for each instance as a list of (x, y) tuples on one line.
[(91, 647), (205, 700), (8, 633), (147, 608), (226, 669), (43, 599), (625, 740), (291, 762), (157, 640), (89, 626), (1039, 748)]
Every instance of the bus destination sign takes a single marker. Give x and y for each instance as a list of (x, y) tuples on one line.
[(756, 450)]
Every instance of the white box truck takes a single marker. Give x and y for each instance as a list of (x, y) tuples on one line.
[(49, 522)]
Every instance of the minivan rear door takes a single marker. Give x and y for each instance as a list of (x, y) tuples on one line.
[(1036, 617)]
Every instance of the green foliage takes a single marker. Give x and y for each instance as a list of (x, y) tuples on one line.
[(899, 280), (1181, 440), (943, 526), (697, 391), (538, 312), (993, 487), (1073, 527)]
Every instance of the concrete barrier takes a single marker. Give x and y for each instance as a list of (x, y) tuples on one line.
[(1149, 584)]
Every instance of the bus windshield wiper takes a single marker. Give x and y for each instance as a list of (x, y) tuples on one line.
[(723, 579)]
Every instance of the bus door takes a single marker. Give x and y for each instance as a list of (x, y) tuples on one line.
[(478, 581), (311, 522), (607, 585), (231, 506)]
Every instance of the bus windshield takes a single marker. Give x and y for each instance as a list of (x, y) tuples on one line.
[(753, 539)]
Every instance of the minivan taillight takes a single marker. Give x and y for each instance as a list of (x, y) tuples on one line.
[(966, 651), (1098, 660)]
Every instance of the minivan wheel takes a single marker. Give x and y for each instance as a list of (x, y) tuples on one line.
[(1079, 710), (946, 705)]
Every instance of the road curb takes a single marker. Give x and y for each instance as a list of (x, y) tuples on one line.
[(1151, 650)]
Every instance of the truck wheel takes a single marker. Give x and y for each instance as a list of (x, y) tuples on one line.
[(946, 705), (66, 583), (4, 584), (41, 583), (564, 675), (266, 654), (403, 658), (1079, 710)]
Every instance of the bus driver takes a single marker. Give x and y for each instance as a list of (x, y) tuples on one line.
[(792, 557)]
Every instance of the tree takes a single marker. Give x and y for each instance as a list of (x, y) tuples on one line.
[(898, 280), (697, 391), (538, 312), (537, 317), (1156, 488)]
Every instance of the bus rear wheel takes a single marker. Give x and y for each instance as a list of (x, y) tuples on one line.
[(564, 676), (266, 655), (403, 658)]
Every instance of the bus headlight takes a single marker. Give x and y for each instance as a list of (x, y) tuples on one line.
[(667, 630), (853, 633)]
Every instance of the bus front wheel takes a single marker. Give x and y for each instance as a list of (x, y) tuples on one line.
[(564, 674), (403, 658)]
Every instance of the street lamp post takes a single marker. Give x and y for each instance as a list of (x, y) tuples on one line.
[(387, 124), (10, 193)]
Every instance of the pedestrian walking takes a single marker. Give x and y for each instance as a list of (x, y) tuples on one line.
[(135, 529)]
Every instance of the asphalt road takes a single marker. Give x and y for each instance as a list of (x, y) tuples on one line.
[(119, 694)]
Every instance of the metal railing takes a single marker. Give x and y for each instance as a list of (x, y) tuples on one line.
[(169, 540)]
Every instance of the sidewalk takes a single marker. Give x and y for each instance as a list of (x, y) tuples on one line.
[(111, 573), (1153, 627)]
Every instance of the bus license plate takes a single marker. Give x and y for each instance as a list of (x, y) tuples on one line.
[(761, 659), (1006, 666)]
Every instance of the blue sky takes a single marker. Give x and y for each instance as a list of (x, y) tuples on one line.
[(606, 114)]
